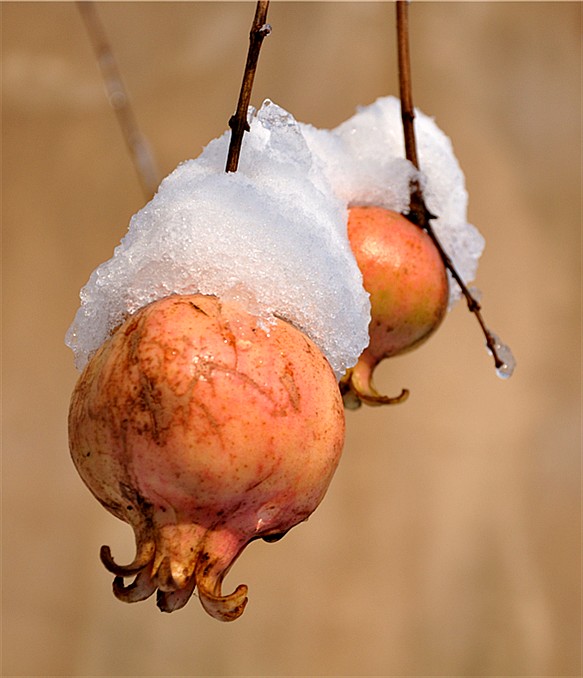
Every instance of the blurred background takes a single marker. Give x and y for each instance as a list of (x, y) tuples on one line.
[(449, 541)]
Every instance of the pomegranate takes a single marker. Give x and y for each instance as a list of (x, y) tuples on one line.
[(407, 281), (203, 430)]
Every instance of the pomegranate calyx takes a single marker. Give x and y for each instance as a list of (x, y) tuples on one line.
[(357, 386), (174, 579)]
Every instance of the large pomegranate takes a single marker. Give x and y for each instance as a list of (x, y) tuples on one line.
[(407, 281), (203, 429)]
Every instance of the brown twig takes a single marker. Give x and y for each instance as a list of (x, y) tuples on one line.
[(238, 122), (139, 149), (418, 212)]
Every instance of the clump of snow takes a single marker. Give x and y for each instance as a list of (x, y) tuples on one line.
[(364, 160), (272, 234)]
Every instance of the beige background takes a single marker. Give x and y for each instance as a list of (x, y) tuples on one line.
[(449, 541)]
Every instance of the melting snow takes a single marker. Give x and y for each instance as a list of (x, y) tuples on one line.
[(273, 234)]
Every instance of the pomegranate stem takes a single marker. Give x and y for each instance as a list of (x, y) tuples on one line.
[(418, 212), (238, 122)]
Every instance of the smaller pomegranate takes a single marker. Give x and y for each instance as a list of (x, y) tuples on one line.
[(203, 431), (407, 281)]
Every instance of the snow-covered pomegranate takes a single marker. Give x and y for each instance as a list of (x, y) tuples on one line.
[(407, 281), (204, 429)]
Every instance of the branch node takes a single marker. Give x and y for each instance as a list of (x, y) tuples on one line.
[(238, 122)]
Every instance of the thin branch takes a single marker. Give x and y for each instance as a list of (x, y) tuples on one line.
[(405, 85), (119, 100), (238, 122), (419, 214)]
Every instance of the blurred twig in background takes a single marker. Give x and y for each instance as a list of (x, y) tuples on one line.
[(138, 147)]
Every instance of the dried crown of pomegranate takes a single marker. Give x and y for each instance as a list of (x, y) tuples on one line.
[(203, 431)]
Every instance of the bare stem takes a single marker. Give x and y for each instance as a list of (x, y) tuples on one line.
[(419, 214), (238, 122), (405, 86), (138, 147)]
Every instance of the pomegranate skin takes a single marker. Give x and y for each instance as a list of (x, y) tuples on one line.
[(407, 281), (203, 430)]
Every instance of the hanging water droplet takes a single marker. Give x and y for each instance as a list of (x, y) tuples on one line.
[(504, 353)]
